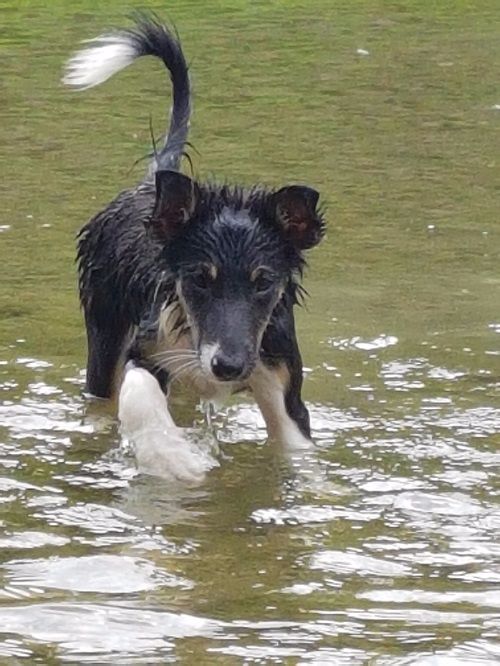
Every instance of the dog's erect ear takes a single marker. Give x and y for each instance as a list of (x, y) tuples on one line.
[(294, 210), (176, 197)]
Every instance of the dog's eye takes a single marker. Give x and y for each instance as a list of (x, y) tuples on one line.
[(263, 282), (200, 280)]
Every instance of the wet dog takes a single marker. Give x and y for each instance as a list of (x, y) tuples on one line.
[(192, 281)]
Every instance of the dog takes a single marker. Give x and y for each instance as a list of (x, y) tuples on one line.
[(192, 281)]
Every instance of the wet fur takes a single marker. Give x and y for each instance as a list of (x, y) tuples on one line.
[(134, 257)]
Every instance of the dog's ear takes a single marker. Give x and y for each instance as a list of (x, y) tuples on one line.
[(176, 198), (294, 210)]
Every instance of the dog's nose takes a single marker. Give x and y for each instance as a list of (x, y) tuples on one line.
[(227, 368)]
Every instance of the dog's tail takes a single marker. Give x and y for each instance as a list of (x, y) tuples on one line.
[(114, 51)]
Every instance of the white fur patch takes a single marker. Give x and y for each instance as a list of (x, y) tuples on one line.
[(207, 352), (161, 449), (105, 56)]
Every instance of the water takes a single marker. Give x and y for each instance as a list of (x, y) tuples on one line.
[(382, 545)]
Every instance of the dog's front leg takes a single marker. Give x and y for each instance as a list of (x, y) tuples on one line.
[(142, 404), (276, 389), (160, 446)]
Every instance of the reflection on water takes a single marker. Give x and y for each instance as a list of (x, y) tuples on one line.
[(386, 535), (380, 546)]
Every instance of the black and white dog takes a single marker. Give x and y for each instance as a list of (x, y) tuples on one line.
[(190, 281)]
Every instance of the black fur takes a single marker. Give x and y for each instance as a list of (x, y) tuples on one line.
[(154, 39), (231, 259)]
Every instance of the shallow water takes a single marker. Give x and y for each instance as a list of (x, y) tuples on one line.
[(382, 545)]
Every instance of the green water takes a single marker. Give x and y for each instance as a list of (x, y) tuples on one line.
[(380, 547)]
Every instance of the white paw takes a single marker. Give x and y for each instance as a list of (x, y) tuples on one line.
[(294, 440), (170, 455)]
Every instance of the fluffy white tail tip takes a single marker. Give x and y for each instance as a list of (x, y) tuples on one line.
[(105, 56)]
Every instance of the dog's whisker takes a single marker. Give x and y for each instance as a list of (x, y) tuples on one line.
[(171, 365), (173, 355), (172, 358), (182, 350), (164, 352), (186, 364), (183, 370), (181, 373), (175, 351)]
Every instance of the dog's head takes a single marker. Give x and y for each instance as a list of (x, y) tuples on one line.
[(233, 255)]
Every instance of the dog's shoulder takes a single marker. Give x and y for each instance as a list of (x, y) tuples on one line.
[(129, 208)]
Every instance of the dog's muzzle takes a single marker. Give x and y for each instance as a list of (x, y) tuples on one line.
[(228, 368)]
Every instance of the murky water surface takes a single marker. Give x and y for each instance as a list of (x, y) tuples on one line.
[(382, 545)]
